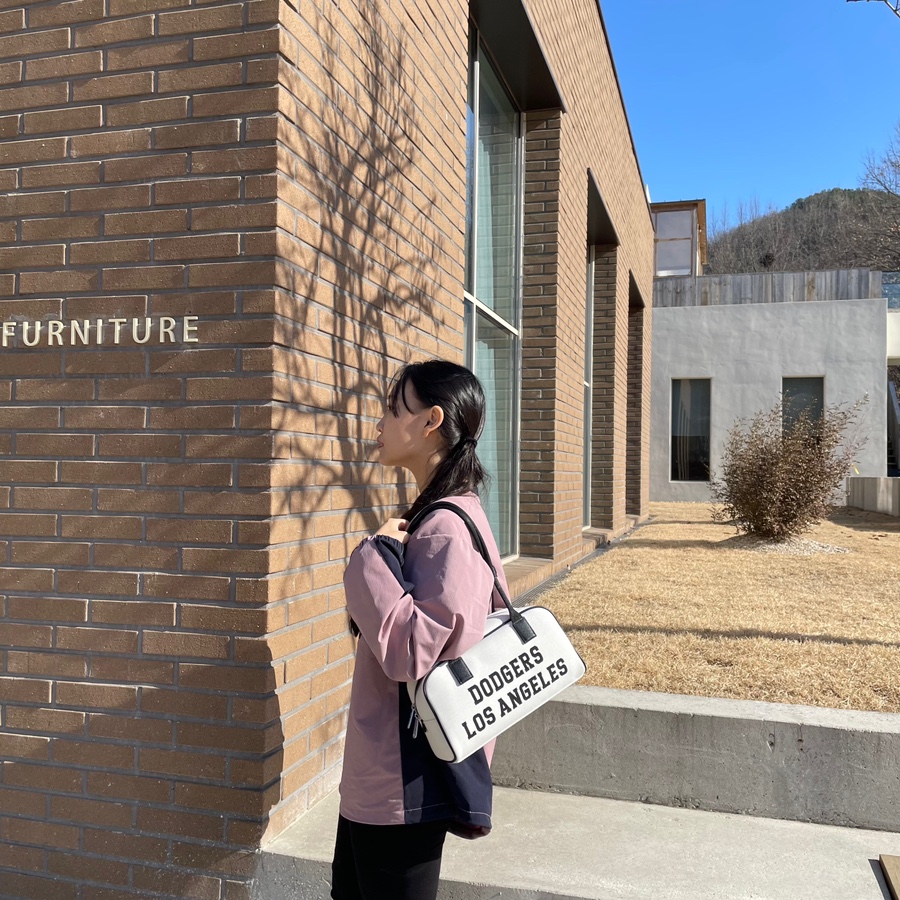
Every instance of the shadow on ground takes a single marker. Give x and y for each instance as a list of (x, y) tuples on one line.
[(860, 520), (740, 634)]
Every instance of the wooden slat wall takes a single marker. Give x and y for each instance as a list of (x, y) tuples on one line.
[(766, 287)]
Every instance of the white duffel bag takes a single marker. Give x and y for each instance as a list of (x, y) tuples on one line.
[(524, 660)]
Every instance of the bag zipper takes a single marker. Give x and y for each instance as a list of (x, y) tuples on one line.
[(414, 722)]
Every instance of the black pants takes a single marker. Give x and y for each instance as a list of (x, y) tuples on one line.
[(387, 862)]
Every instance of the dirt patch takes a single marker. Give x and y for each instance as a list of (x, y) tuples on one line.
[(686, 606)]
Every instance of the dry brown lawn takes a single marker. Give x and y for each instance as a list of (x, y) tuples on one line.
[(685, 606)]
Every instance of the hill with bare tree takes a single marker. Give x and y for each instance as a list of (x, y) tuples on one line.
[(836, 229)]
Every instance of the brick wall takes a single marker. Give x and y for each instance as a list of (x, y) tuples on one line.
[(176, 513), (593, 135), (537, 512), (638, 419), (607, 453), (139, 753), (370, 260)]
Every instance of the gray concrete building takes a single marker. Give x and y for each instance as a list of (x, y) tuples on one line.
[(728, 346)]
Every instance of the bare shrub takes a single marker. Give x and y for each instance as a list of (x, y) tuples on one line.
[(779, 478)]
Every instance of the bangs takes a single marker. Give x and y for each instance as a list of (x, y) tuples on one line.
[(397, 391)]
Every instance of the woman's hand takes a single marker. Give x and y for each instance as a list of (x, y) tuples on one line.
[(395, 528)]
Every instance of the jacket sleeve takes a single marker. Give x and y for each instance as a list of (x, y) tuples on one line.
[(410, 627)]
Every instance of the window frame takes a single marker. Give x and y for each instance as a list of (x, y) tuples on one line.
[(473, 307), (672, 381), (693, 238), (784, 378), (588, 460)]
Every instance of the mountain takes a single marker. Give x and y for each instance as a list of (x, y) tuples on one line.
[(836, 229)]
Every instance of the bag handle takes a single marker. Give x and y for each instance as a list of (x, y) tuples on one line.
[(516, 619)]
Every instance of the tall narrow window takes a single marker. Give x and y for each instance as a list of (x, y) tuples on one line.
[(690, 429), (799, 396), (492, 287), (588, 386)]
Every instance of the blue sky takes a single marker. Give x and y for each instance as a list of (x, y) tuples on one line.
[(769, 100)]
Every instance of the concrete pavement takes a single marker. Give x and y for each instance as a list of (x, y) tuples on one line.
[(547, 846)]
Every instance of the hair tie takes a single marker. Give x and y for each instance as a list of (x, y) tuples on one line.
[(470, 440)]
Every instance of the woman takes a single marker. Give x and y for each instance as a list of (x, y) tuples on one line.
[(415, 600)]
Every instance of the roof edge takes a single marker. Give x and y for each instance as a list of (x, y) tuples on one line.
[(612, 60)]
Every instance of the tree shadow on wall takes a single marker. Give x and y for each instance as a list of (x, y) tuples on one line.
[(365, 296), (363, 285)]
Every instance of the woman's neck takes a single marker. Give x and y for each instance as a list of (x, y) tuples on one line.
[(424, 471)]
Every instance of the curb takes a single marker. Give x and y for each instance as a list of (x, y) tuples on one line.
[(808, 764)]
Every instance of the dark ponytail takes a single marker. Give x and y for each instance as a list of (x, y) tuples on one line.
[(459, 394)]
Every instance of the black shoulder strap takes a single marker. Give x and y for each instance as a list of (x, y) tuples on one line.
[(523, 629)]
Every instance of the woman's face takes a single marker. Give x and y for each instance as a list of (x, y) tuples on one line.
[(402, 434)]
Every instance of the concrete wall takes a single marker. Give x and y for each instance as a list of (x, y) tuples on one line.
[(874, 495), (746, 350), (783, 761)]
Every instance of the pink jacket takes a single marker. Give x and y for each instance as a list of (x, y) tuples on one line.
[(432, 609)]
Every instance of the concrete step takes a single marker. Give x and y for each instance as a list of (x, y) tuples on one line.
[(558, 847), (783, 761)]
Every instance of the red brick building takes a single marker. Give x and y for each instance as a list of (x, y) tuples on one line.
[(223, 225)]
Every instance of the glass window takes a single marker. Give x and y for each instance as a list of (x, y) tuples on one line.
[(690, 429), (493, 261), (496, 191), (677, 224), (675, 242), (588, 388), (495, 366), (470, 176), (673, 257), (801, 395)]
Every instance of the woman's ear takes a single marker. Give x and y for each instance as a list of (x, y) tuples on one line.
[(435, 420)]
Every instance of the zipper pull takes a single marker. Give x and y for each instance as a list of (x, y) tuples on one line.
[(413, 722)]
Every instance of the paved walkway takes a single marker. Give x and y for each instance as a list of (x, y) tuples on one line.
[(549, 846)]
